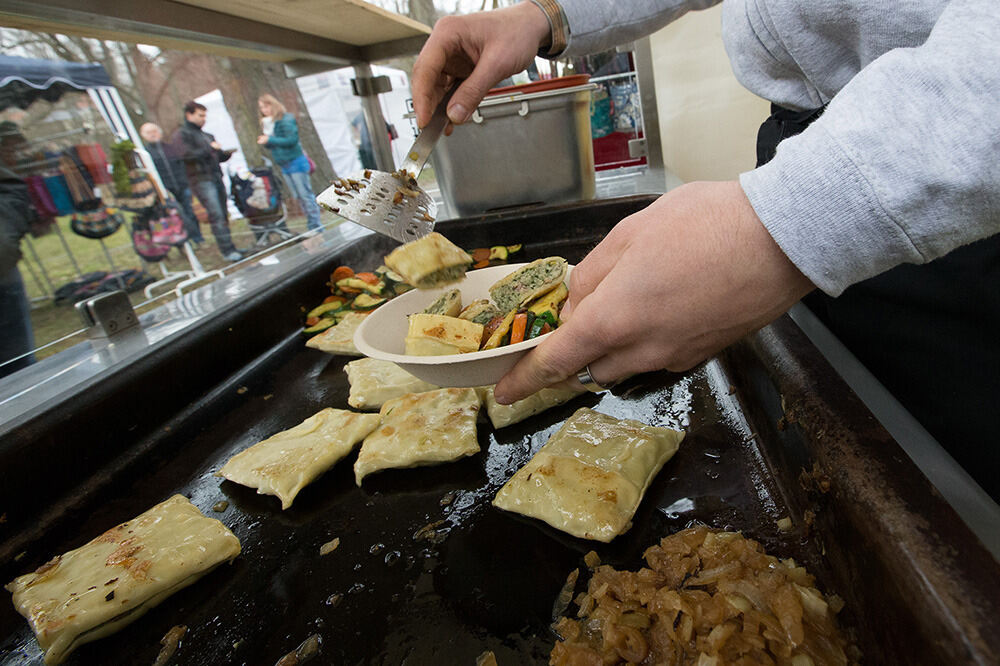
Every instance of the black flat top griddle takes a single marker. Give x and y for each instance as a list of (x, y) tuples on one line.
[(427, 571)]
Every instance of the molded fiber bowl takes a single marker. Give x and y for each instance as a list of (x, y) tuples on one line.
[(382, 335)]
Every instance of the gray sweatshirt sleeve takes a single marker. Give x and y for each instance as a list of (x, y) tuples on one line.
[(903, 166), (598, 26)]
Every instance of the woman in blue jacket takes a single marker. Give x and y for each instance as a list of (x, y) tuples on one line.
[(283, 142)]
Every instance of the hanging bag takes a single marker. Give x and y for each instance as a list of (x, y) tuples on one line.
[(167, 225), (142, 239), (97, 223), (141, 195)]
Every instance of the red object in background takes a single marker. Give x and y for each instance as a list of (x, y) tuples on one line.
[(611, 151), (539, 86)]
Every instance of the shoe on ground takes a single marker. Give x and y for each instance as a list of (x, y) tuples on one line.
[(233, 256)]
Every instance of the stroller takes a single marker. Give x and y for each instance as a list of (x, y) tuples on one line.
[(258, 197)]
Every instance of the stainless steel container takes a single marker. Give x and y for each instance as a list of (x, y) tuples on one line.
[(519, 148)]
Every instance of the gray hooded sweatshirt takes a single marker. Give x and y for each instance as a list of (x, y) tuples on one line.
[(904, 164)]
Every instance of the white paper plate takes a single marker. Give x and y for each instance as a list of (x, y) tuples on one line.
[(382, 335)]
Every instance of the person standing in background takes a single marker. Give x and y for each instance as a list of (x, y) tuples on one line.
[(283, 142), (174, 176), (201, 155), (17, 338)]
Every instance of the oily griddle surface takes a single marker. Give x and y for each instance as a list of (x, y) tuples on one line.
[(481, 579), (427, 571)]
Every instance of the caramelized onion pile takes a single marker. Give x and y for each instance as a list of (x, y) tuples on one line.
[(708, 598)]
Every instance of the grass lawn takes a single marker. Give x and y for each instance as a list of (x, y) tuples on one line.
[(53, 321)]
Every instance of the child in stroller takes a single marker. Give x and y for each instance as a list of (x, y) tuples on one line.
[(258, 197)]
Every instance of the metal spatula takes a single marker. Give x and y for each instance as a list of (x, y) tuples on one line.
[(392, 203)]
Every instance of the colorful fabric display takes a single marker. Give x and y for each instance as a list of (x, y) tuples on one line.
[(81, 189), (58, 190), (41, 199), (93, 158)]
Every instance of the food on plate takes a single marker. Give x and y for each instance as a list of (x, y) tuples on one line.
[(421, 429), (705, 597), (480, 312), (97, 589), (287, 462), (502, 416), (339, 339), (589, 478), (528, 283), (428, 262), (498, 330), (435, 335), (354, 292), (373, 382), (448, 304)]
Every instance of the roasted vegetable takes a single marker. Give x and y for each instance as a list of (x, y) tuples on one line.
[(360, 285), (367, 302), (341, 273), (520, 326), (551, 301), (541, 321), (325, 308), (323, 324), (500, 332)]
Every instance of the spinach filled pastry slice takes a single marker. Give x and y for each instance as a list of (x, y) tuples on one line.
[(98, 588), (374, 382), (480, 312), (502, 416), (428, 262), (589, 478), (287, 462), (448, 304), (528, 283), (421, 429)]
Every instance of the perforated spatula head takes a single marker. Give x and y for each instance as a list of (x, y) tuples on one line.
[(389, 203), (392, 203)]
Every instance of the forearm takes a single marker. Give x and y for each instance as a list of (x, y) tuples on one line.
[(902, 167), (598, 26)]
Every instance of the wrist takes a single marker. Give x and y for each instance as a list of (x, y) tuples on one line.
[(552, 30)]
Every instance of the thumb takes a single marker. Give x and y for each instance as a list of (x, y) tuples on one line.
[(472, 91)]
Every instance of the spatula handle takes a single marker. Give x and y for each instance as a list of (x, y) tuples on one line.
[(429, 135)]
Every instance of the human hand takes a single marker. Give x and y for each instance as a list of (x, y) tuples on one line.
[(262, 139), (667, 288), (481, 48), (215, 145)]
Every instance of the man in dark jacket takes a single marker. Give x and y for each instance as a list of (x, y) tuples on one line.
[(16, 336), (201, 155), (174, 176)]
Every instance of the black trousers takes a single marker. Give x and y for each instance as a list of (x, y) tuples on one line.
[(930, 333)]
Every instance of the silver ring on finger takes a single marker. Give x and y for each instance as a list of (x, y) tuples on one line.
[(588, 381)]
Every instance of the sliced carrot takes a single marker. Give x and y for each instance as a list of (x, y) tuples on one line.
[(480, 254), (546, 328), (349, 290), (481, 264), (331, 299), (369, 278), (340, 273), (518, 326), (312, 321)]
